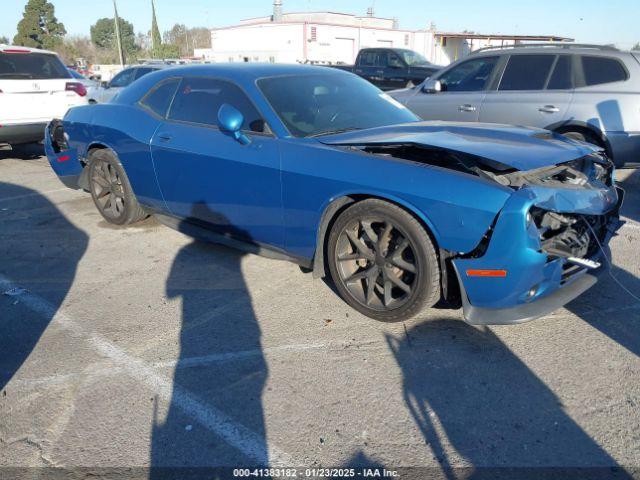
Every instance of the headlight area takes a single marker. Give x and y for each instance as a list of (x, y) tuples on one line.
[(576, 238)]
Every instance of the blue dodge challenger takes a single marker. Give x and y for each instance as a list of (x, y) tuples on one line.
[(317, 166)]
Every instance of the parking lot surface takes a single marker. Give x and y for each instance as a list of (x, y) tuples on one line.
[(139, 346)]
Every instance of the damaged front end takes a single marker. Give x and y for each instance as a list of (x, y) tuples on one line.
[(546, 242), (550, 239)]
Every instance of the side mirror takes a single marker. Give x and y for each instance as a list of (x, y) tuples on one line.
[(104, 84), (230, 120), (432, 86)]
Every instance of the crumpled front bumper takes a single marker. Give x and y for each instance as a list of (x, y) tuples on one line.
[(532, 285)]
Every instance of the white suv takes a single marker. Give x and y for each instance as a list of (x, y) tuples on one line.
[(35, 87)]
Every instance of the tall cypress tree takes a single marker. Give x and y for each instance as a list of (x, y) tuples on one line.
[(39, 27), (156, 39)]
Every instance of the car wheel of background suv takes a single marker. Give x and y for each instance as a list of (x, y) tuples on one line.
[(382, 261)]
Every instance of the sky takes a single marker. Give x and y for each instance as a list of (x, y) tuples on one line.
[(587, 21)]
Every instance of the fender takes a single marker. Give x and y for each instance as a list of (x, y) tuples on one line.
[(338, 204)]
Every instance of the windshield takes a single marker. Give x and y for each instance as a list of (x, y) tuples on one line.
[(311, 105), (36, 66), (413, 58)]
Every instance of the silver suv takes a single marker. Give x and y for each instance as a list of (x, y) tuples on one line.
[(590, 93)]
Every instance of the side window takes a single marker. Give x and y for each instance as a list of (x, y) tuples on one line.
[(394, 60), (199, 99), (141, 72), (123, 78), (526, 72), (367, 59), (159, 97), (469, 76), (599, 70), (561, 78), (381, 59)]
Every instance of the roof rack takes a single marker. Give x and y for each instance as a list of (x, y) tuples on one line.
[(550, 45)]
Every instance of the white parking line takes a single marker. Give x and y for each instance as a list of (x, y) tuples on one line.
[(246, 441)]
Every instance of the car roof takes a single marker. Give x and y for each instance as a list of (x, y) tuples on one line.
[(21, 49), (553, 49), (249, 71)]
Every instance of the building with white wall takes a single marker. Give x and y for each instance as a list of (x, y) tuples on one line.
[(336, 38)]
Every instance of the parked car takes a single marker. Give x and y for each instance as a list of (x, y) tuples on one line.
[(35, 87), (320, 167), (82, 79), (588, 93), (108, 90), (391, 68)]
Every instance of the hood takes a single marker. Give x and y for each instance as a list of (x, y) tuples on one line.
[(519, 148)]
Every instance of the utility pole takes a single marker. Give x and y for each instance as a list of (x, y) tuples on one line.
[(118, 39)]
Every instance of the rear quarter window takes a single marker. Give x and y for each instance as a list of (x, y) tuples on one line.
[(31, 66), (601, 70), (158, 99)]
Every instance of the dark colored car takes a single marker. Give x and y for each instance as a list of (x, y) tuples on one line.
[(391, 68), (320, 167)]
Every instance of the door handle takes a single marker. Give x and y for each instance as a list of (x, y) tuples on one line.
[(164, 137), (549, 109), (467, 108)]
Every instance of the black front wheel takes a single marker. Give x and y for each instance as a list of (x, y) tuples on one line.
[(382, 261), (111, 190)]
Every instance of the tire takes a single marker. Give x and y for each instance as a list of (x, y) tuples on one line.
[(111, 191), (382, 261)]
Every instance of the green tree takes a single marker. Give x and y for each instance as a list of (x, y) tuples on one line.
[(103, 35), (39, 26), (186, 39), (156, 40), (636, 46), (4, 40)]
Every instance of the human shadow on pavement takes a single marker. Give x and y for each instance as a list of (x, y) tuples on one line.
[(39, 250), (478, 405), (220, 365)]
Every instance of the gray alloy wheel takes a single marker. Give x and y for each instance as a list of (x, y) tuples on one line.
[(111, 191), (382, 261)]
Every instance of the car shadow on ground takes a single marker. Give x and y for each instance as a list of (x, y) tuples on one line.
[(28, 151), (220, 364), (35, 240), (470, 395)]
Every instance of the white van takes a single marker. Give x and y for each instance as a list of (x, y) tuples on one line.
[(35, 87)]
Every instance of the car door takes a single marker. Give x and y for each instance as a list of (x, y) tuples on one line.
[(208, 176), (535, 90), (370, 66), (395, 74), (463, 90)]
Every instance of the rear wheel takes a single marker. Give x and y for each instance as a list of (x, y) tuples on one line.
[(382, 261), (111, 190)]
